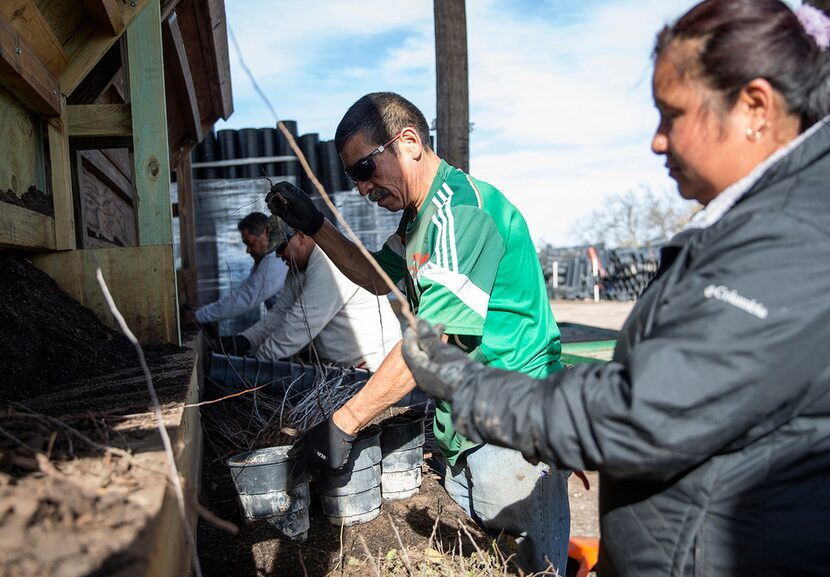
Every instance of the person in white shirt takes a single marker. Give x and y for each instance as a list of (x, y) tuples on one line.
[(344, 323), (262, 285)]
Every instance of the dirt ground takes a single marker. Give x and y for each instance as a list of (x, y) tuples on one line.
[(604, 314), (607, 315), (428, 520)]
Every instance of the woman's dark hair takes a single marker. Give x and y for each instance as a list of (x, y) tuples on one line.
[(380, 116), (255, 223), (740, 40)]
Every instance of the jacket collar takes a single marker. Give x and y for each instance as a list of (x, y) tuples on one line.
[(802, 151)]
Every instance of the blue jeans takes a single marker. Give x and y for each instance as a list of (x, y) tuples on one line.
[(504, 493)]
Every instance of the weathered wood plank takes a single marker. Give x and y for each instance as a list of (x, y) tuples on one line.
[(100, 120), (106, 14), (24, 74), (150, 148), (65, 237), (25, 17), (24, 228), (177, 71), (88, 45), (213, 31), (141, 280), (169, 554)]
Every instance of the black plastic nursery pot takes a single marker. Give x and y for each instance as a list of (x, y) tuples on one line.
[(402, 448), (260, 477), (352, 495)]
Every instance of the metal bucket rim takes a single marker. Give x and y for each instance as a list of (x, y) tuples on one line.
[(265, 456)]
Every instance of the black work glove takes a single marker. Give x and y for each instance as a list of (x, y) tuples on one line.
[(323, 446), (438, 368), (295, 207)]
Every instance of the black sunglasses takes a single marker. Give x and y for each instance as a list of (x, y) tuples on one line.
[(363, 169)]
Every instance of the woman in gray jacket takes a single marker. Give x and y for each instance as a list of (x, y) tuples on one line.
[(711, 426)]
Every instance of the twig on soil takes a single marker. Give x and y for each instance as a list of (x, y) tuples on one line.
[(404, 554), (165, 438), (368, 555), (434, 529), (475, 546), (214, 519), (302, 561)]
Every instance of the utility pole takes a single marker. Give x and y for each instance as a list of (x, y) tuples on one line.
[(453, 125)]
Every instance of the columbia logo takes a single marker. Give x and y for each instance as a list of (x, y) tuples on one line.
[(730, 296)]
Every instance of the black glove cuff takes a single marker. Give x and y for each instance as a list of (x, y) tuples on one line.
[(316, 224)]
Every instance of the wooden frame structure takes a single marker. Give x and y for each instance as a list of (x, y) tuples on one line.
[(109, 96)]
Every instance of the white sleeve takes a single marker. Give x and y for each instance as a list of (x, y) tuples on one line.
[(264, 282), (320, 296), (261, 330)]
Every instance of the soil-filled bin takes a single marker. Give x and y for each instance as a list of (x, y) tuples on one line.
[(260, 477), (402, 447), (352, 494)]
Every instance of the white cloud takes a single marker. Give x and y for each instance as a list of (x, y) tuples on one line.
[(560, 97)]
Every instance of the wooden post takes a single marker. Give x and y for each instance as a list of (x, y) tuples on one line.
[(453, 126), (150, 148), (151, 152), (58, 130), (187, 229)]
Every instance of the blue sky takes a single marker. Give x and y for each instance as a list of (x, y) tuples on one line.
[(560, 90)]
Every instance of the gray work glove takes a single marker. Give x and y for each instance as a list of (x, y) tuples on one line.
[(438, 368), (294, 207)]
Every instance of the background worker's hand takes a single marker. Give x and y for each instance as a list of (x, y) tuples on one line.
[(295, 207), (438, 368), (324, 446)]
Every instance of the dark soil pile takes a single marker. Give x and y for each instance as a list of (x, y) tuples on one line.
[(47, 339), (33, 199)]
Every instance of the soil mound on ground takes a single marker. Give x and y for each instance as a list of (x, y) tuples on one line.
[(48, 339)]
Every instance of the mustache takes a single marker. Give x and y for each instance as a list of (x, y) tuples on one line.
[(377, 194)]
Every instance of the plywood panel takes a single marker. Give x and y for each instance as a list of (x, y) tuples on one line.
[(141, 280), (107, 217), (18, 146)]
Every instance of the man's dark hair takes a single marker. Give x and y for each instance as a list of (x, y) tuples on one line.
[(380, 116), (255, 223), (737, 41)]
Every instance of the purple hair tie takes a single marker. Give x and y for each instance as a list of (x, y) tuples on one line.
[(816, 23)]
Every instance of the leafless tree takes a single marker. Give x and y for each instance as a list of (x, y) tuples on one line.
[(635, 218)]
